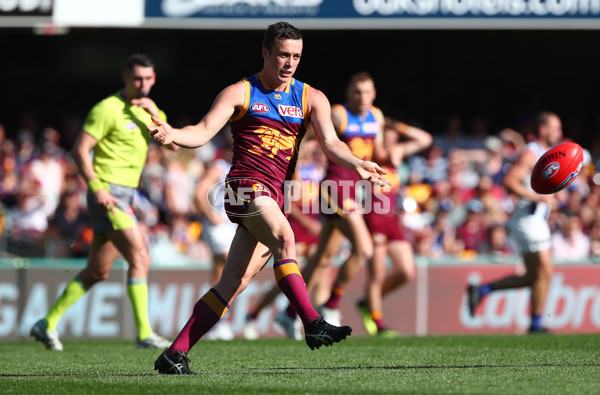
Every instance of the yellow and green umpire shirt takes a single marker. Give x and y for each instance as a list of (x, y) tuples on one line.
[(120, 129)]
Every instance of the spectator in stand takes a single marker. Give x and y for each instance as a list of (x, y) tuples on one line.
[(574, 201), (472, 233), (497, 244), (153, 177), (496, 203), (49, 171), (430, 168), (570, 243), (443, 233), (595, 240), (461, 173), (26, 149), (2, 138), (9, 184), (29, 220), (68, 226), (453, 137), (179, 185), (479, 132)]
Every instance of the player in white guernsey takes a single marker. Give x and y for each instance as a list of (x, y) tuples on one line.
[(528, 225)]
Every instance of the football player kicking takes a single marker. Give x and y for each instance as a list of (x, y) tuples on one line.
[(268, 113)]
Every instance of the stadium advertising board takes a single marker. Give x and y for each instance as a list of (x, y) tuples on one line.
[(18, 13), (434, 304), (26, 7), (388, 14)]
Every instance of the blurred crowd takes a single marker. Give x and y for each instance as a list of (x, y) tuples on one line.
[(452, 199)]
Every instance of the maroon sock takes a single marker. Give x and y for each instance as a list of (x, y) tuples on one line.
[(291, 311), (378, 318), (292, 284), (207, 312), (336, 296)]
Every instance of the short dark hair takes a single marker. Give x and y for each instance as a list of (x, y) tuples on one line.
[(280, 31), (138, 59), (359, 77), (542, 119)]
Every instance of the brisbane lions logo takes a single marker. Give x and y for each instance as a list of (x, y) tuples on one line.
[(550, 170), (259, 188)]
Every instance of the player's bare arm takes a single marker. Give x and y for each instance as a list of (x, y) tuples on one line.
[(333, 147), (416, 139), (81, 155), (230, 100), (513, 180)]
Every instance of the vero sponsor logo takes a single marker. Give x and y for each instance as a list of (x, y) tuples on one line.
[(290, 111), (260, 107)]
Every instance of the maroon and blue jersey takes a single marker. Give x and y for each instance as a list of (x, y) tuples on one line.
[(358, 131), (268, 130)]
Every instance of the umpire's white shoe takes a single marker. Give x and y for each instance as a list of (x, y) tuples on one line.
[(49, 338), (153, 341)]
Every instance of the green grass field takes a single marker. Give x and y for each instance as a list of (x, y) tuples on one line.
[(557, 364)]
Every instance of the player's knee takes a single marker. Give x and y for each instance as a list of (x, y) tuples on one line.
[(287, 239), (285, 242), (365, 254), (378, 277), (91, 277), (410, 272), (240, 285), (141, 260)]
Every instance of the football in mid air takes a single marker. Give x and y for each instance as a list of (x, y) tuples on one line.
[(557, 168)]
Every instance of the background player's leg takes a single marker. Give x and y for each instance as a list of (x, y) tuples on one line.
[(354, 228), (540, 265), (403, 266)]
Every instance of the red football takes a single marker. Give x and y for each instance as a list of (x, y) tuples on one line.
[(557, 168)]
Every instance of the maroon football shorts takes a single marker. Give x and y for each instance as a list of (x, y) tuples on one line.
[(338, 198), (384, 227), (240, 191), (301, 234)]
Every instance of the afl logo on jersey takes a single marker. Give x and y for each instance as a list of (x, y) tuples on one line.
[(290, 111), (260, 107), (550, 170)]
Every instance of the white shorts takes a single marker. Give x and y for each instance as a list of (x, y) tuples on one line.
[(219, 237), (530, 231)]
